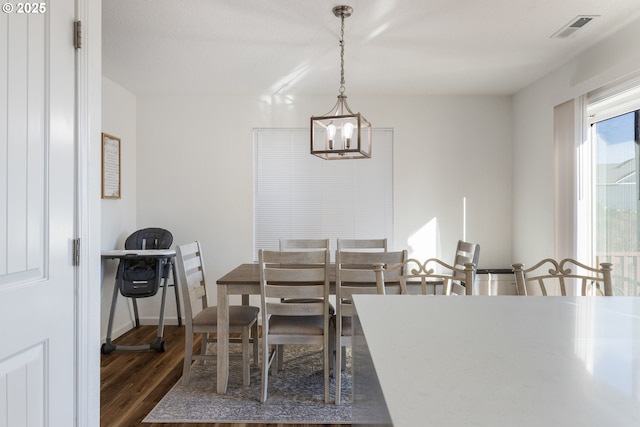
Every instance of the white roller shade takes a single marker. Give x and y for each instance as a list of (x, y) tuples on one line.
[(297, 195)]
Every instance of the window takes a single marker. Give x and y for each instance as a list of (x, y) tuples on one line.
[(612, 188), (297, 195), (616, 190)]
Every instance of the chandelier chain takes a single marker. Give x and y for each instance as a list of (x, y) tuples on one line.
[(342, 56)]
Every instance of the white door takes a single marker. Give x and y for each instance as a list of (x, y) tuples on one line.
[(37, 214)]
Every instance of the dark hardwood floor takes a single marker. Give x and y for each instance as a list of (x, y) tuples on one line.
[(133, 382)]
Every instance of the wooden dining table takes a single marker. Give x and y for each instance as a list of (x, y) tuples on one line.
[(245, 280)]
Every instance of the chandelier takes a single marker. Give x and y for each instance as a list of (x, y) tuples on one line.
[(341, 134)]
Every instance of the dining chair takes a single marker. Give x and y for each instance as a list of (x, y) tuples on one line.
[(566, 277), (355, 274), (299, 275), (203, 319), (466, 252), (302, 244), (361, 245), (428, 276)]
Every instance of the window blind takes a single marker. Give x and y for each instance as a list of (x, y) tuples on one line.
[(298, 195)]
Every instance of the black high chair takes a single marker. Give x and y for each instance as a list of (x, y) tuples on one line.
[(140, 275)]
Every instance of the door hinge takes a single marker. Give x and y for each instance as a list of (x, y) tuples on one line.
[(77, 34), (76, 252)]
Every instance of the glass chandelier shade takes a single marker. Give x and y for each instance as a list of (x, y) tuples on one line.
[(341, 134)]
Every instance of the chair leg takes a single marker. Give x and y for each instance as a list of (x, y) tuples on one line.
[(203, 343), (246, 374), (265, 370), (256, 344), (280, 362), (188, 357), (337, 373), (328, 346)]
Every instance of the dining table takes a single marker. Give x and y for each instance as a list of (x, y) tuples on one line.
[(244, 280)]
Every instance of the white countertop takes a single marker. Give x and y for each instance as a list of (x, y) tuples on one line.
[(505, 360)]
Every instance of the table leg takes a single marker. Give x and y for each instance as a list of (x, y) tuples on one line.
[(223, 338)]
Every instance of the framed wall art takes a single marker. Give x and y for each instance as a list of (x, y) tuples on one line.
[(110, 167)]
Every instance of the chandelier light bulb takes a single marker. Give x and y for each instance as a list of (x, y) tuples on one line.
[(347, 133), (331, 134)]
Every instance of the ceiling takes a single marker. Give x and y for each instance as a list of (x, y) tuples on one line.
[(290, 47)]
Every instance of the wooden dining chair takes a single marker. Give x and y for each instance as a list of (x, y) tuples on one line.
[(466, 252), (427, 277), (566, 277), (203, 319), (302, 244), (355, 274), (298, 275)]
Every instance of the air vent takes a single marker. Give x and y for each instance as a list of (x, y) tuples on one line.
[(572, 27)]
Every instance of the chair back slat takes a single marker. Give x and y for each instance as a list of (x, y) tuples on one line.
[(362, 244), (294, 290), (297, 244)]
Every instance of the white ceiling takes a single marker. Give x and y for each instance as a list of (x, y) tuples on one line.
[(290, 47)]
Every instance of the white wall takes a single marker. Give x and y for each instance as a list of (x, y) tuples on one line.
[(533, 146), (118, 215), (195, 168)]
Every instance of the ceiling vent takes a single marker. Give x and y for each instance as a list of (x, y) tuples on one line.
[(572, 27)]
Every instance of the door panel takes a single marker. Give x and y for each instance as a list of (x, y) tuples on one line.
[(37, 217)]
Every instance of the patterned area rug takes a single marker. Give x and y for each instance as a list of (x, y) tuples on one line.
[(295, 395)]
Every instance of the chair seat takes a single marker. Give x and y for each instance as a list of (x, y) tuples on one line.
[(239, 315), (296, 325)]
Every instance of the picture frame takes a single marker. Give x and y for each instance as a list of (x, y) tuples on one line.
[(110, 166)]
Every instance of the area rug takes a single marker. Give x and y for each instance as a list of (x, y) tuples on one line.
[(295, 394)]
